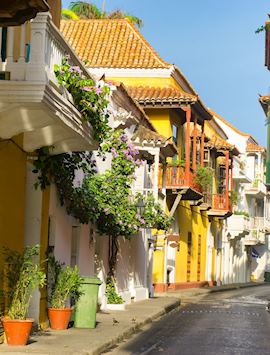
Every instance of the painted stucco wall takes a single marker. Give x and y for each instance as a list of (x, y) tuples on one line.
[(12, 198)]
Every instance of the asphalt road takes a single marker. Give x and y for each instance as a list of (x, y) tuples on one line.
[(231, 322)]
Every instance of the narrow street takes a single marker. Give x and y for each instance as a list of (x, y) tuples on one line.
[(230, 322)]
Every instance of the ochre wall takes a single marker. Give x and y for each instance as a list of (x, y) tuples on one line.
[(12, 199), (144, 81)]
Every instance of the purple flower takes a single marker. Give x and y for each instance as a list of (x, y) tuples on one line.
[(75, 69), (106, 209), (142, 221), (138, 162), (98, 91), (86, 88), (123, 137), (129, 157), (130, 146), (120, 222)]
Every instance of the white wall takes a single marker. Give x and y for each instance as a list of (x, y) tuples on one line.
[(61, 233)]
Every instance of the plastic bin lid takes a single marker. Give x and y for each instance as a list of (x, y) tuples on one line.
[(91, 280)]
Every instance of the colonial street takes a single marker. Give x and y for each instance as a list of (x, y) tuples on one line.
[(230, 322)]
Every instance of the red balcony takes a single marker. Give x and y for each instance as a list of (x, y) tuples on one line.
[(176, 178), (221, 205)]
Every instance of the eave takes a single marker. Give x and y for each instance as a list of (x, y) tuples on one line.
[(16, 12)]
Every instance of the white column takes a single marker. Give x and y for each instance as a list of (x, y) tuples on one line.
[(156, 172), (22, 46), (32, 229), (36, 68), (165, 260), (0, 44), (10, 44)]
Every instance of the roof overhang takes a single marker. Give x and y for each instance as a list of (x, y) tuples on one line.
[(16, 12)]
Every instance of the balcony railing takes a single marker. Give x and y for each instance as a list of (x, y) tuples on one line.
[(217, 202), (33, 58), (176, 177)]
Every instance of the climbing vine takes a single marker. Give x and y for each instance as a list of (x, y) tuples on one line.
[(90, 98), (104, 199)]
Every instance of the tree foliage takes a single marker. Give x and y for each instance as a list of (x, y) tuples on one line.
[(86, 10)]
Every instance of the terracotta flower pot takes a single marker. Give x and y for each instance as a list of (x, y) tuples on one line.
[(17, 331), (59, 317)]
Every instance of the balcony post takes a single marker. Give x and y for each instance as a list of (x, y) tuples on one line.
[(36, 68), (194, 155), (231, 182), (0, 45), (227, 179), (164, 175), (187, 172), (202, 145), (10, 44)]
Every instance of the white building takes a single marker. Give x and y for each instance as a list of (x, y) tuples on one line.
[(245, 240), (81, 245)]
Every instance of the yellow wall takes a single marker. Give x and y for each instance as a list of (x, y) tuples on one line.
[(191, 219), (153, 82), (12, 198)]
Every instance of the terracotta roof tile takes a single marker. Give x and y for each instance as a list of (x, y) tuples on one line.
[(254, 148), (144, 135), (153, 95), (114, 43), (219, 143)]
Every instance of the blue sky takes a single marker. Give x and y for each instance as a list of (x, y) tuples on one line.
[(214, 43)]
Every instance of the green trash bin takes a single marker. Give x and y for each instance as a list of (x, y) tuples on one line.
[(86, 307), (267, 276)]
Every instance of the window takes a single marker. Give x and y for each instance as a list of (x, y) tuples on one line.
[(175, 134)]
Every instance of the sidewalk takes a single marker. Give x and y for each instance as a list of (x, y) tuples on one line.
[(111, 329)]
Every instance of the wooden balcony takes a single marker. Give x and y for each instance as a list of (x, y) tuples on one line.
[(175, 179), (220, 205)]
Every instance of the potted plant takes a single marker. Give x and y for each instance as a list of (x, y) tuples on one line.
[(114, 301), (23, 276), (65, 283)]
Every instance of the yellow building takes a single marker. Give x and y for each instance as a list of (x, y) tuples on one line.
[(34, 113), (186, 256)]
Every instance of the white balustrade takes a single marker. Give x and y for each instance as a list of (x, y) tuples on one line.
[(47, 48)]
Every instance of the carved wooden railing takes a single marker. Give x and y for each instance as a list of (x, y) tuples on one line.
[(176, 177)]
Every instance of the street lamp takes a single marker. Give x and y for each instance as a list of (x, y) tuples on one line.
[(140, 205)]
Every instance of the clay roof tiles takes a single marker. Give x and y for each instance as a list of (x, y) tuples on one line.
[(254, 148), (148, 95), (114, 43)]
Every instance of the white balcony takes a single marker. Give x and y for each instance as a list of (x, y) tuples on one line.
[(238, 225), (240, 175), (260, 223), (31, 101), (256, 187), (255, 237)]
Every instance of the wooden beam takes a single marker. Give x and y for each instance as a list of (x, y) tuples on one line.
[(194, 152), (175, 204), (188, 118), (227, 180), (202, 145)]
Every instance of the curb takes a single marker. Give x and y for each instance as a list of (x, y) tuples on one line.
[(135, 328), (236, 287)]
